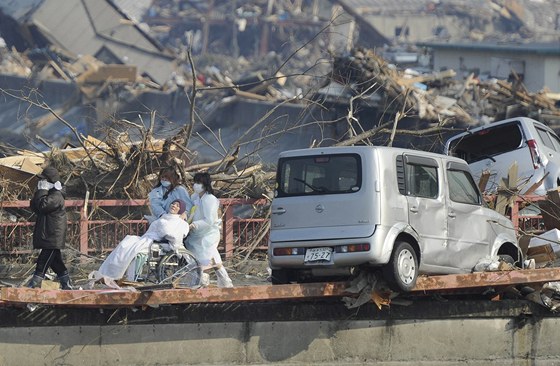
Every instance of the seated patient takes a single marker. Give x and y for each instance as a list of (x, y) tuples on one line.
[(170, 226)]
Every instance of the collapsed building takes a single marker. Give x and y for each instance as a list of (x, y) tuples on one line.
[(250, 78)]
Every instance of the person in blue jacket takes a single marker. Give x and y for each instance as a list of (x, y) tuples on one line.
[(167, 190)]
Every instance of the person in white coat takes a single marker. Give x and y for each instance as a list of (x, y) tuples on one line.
[(205, 229), (172, 227)]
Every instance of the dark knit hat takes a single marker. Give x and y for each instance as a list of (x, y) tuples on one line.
[(50, 174), (182, 205)]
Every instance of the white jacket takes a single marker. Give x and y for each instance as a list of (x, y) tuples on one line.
[(205, 236)]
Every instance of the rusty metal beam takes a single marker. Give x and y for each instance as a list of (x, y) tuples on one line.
[(128, 298), (486, 279), (120, 298)]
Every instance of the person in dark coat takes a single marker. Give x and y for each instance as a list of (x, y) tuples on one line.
[(49, 233)]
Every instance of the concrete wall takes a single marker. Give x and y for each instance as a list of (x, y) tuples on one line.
[(421, 26), (552, 74), (540, 71), (457, 340)]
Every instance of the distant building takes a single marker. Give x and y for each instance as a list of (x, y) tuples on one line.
[(385, 22), (537, 65), (375, 23)]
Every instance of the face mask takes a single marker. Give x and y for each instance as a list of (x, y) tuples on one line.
[(44, 184), (165, 183), (198, 188)]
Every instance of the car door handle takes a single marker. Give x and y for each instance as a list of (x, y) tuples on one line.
[(278, 211), (452, 215), (414, 209)]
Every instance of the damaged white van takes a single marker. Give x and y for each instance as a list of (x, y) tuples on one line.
[(338, 209), (495, 147)]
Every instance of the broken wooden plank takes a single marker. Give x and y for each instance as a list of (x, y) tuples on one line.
[(446, 74), (542, 254), (507, 190), (483, 181), (114, 72), (250, 95), (59, 71), (502, 199), (535, 185)]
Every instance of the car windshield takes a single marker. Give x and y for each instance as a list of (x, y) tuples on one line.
[(488, 142), (320, 174)]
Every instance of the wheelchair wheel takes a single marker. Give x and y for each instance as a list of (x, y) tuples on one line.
[(183, 270), (145, 269)]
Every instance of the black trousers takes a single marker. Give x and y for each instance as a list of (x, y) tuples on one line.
[(50, 258)]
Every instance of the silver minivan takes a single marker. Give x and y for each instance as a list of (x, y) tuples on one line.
[(338, 209), (495, 147)]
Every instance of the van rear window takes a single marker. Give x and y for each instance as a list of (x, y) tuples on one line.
[(320, 174), (487, 142)]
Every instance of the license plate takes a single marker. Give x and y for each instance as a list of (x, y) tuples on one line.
[(317, 254)]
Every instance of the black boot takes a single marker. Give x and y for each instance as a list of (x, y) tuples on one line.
[(35, 282), (65, 281)]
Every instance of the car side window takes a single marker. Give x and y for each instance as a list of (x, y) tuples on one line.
[(462, 188), (422, 181), (545, 138), (555, 141)]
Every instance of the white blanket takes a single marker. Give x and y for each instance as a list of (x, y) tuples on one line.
[(168, 227)]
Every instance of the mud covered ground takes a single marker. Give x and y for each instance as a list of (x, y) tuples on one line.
[(248, 272)]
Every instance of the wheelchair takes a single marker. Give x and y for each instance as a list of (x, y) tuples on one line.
[(162, 265)]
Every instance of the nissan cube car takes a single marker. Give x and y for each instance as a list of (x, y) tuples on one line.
[(337, 210), (495, 147)]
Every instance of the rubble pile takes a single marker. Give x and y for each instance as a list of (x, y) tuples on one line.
[(440, 96), (123, 169), (128, 160), (14, 63)]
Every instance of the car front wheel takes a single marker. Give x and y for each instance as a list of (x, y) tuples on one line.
[(402, 270)]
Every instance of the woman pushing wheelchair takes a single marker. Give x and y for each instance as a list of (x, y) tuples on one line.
[(205, 230), (171, 227), (201, 236)]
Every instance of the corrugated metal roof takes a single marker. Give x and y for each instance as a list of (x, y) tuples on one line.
[(365, 7), (134, 8), (86, 26), (19, 9)]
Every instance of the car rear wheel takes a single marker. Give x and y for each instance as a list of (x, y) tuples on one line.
[(402, 270), (507, 258)]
